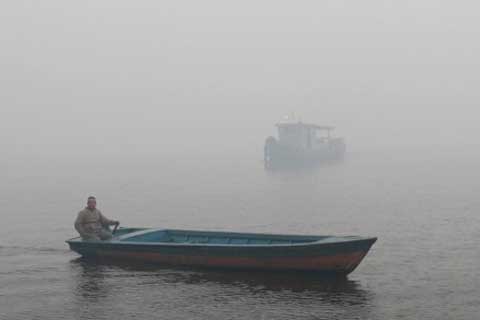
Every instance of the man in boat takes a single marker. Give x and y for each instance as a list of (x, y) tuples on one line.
[(91, 224)]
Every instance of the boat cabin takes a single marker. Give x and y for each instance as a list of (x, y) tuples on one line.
[(303, 135)]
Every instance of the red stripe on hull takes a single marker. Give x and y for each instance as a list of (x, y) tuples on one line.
[(342, 263)]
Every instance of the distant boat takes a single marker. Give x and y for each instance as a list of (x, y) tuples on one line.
[(302, 144), (229, 250)]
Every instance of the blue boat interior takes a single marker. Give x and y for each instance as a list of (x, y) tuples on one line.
[(208, 237)]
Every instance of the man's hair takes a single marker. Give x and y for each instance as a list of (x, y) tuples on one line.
[(91, 198)]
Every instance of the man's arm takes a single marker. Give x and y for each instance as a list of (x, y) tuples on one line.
[(105, 221)]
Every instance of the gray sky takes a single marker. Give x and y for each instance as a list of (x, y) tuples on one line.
[(111, 76)]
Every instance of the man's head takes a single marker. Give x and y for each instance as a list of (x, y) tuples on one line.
[(91, 203)]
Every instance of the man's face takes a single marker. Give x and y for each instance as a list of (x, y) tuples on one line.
[(92, 204)]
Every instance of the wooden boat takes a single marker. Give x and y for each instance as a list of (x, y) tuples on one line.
[(326, 254)]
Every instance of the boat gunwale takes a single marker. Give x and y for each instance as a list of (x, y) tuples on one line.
[(172, 244)]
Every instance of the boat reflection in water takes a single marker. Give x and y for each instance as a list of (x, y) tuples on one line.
[(148, 290)]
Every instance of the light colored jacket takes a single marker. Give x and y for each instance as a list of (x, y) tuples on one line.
[(91, 222)]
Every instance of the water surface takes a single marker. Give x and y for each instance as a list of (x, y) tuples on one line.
[(422, 207)]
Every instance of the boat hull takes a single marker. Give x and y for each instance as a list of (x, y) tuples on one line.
[(281, 156), (340, 257)]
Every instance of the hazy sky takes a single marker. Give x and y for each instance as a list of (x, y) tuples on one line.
[(111, 76)]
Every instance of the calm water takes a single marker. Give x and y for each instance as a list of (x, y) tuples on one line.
[(422, 205)]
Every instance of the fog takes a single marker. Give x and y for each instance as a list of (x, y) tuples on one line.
[(161, 110), (119, 77)]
